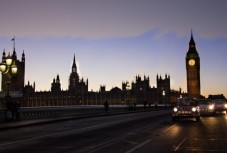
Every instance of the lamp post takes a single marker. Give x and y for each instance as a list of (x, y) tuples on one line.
[(8, 68), (163, 95), (128, 95)]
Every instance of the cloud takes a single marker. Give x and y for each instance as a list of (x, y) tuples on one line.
[(111, 18)]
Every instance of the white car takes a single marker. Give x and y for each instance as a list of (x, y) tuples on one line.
[(206, 107), (220, 105)]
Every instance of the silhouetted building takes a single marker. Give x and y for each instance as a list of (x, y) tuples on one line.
[(56, 85), (138, 92), (29, 88), (76, 85), (75, 95), (219, 96)]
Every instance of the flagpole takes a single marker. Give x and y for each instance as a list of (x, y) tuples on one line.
[(13, 43)]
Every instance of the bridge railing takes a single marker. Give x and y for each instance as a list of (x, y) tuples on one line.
[(27, 113), (64, 111), (51, 112)]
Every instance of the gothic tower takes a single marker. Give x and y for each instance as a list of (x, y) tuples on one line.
[(193, 70), (73, 78), (56, 85)]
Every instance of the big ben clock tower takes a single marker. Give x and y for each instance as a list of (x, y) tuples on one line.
[(193, 70)]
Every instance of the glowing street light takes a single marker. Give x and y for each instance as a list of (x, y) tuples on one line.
[(163, 96), (8, 68)]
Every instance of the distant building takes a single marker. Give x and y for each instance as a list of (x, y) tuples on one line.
[(138, 92), (77, 86), (219, 96), (57, 97)]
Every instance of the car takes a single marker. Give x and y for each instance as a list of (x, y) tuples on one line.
[(206, 107), (186, 108), (220, 105)]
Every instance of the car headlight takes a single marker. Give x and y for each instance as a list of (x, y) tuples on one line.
[(193, 109), (225, 105), (175, 109), (211, 106)]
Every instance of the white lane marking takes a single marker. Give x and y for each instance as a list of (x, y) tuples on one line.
[(180, 144), (64, 132), (169, 128), (106, 144), (131, 142), (138, 146), (76, 130)]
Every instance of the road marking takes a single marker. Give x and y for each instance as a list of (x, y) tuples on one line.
[(169, 128), (131, 142), (138, 146), (180, 144), (106, 144), (64, 132), (76, 130), (206, 148)]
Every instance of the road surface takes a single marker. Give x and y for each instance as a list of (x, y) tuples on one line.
[(144, 132)]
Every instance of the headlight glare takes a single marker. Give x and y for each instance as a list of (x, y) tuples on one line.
[(225, 105), (175, 109), (211, 107), (193, 109)]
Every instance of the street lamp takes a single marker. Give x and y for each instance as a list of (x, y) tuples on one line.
[(163, 94), (127, 92), (128, 95), (8, 68)]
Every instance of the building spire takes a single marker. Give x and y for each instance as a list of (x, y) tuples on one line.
[(74, 68), (74, 60), (23, 57), (192, 42)]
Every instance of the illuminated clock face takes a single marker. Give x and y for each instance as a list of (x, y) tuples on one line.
[(191, 62)]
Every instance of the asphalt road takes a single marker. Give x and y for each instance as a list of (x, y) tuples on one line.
[(127, 133)]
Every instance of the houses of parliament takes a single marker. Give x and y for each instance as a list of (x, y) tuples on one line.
[(137, 92)]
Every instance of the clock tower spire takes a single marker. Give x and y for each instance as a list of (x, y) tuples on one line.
[(193, 70)]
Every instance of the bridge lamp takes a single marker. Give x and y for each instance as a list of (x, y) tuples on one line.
[(8, 67)]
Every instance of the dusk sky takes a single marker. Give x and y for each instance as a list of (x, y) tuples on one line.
[(115, 40)]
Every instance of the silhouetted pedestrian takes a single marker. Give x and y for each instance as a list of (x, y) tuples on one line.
[(106, 106)]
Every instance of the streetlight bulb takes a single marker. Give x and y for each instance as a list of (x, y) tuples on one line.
[(2, 67), (14, 68), (9, 60), (163, 93)]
